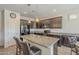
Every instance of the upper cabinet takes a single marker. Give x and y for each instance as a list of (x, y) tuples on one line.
[(55, 23)]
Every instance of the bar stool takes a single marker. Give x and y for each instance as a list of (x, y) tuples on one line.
[(18, 46), (27, 50), (72, 42)]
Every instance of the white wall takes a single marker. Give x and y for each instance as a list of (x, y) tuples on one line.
[(0, 31), (68, 25), (11, 27)]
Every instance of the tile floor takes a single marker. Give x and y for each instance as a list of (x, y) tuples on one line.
[(63, 50), (8, 51), (11, 51)]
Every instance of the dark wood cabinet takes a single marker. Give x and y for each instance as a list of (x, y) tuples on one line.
[(55, 22)]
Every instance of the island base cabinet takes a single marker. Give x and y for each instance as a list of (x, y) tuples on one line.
[(55, 49), (52, 50)]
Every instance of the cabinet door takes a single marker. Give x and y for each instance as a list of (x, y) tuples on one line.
[(55, 49), (57, 22)]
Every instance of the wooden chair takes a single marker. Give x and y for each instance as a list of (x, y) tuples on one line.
[(18, 46), (72, 41), (27, 50)]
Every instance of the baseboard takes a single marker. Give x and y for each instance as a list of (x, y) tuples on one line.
[(9, 46), (12, 45), (1, 46)]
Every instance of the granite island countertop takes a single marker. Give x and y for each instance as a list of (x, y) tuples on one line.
[(44, 41)]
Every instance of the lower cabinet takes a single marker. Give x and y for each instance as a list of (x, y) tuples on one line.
[(55, 49)]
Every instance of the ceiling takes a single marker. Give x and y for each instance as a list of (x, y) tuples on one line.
[(40, 10)]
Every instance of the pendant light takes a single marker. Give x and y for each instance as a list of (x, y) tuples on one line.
[(37, 19), (29, 21)]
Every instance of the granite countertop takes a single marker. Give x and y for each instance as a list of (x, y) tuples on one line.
[(68, 34), (44, 41), (59, 33)]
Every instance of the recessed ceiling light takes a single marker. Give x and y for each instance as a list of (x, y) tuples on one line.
[(25, 12), (54, 10), (73, 16)]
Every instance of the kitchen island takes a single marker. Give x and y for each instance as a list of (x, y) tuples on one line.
[(48, 45)]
